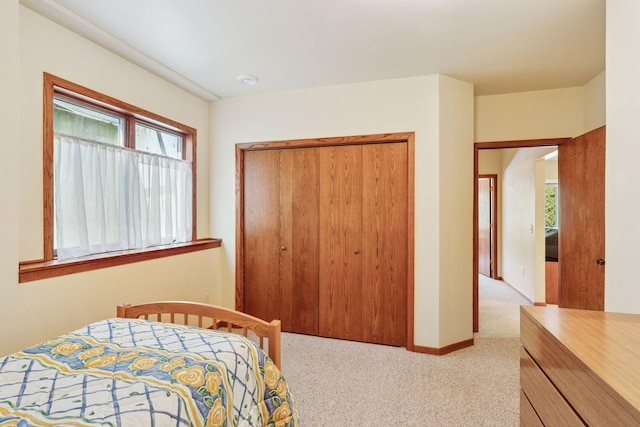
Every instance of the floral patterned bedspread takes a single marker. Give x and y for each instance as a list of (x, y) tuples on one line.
[(125, 372)]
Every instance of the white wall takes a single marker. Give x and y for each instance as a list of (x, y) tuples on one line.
[(490, 162), (530, 115), (523, 182), (518, 217), (401, 105), (551, 170), (539, 292), (456, 204), (555, 113), (9, 169), (42, 309), (622, 195), (595, 103)]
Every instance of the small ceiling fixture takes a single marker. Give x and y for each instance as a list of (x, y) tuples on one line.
[(247, 79)]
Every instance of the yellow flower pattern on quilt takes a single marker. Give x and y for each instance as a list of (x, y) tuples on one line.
[(144, 362), (127, 356), (101, 362), (66, 348), (193, 376), (278, 403), (95, 351), (217, 415), (271, 374), (213, 381), (282, 389), (282, 415), (176, 362)]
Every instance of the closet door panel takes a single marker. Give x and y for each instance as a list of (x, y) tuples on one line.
[(384, 243), (262, 234), (340, 242), (299, 218)]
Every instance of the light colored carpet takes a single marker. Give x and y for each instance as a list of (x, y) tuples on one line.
[(342, 383)]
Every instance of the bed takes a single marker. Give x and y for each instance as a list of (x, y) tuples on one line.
[(155, 364)]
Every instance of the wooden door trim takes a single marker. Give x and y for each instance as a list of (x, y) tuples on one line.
[(400, 137), (494, 215), (411, 166), (491, 146), (239, 229), (380, 138)]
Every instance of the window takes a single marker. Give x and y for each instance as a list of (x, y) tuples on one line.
[(115, 189), (119, 181), (551, 205)]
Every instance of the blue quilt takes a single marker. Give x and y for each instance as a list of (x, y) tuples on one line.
[(125, 372)]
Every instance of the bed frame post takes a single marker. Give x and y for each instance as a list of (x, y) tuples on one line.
[(274, 342), (122, 309)]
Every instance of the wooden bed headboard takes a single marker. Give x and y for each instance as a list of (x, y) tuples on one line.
[(210, 317)]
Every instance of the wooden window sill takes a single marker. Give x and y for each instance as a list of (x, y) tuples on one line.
[(39, 269)]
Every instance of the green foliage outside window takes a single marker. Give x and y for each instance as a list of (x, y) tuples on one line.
[(550, 206), (77, 120)]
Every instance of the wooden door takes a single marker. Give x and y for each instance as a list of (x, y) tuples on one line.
[(281, 237), (340, 298), (484, 226), (286, 242), (384, 244), (299, 217), (581, 232), (363, 243), (262, 293)]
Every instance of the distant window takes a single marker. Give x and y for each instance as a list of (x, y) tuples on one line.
[(551, 205), (122, 178)]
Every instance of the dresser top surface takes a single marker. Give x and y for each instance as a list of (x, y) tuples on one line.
[(607, 343)]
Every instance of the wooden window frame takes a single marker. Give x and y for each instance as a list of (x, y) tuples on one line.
[(49, 266)]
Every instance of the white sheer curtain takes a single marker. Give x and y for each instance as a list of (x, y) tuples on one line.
[(110, 198)]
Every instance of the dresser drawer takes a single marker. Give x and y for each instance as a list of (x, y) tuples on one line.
[(528, 416), (588, 395), (550, 406)]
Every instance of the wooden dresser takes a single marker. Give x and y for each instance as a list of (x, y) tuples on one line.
[(579, 367)]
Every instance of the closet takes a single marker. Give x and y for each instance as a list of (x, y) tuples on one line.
[(324, 234)]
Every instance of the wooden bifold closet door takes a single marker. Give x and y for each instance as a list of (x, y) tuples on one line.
[(281, 237), (363, 229), (325, 240)]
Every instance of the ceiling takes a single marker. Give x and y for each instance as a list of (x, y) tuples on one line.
[(500, 46)]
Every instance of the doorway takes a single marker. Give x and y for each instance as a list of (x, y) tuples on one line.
[(476, 213), (487, 225)]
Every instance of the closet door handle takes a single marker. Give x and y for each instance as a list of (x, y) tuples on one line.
[(356, 251), (283, 248)]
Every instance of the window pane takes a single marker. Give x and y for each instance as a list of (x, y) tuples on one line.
[(156, 141), (73, 119)]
